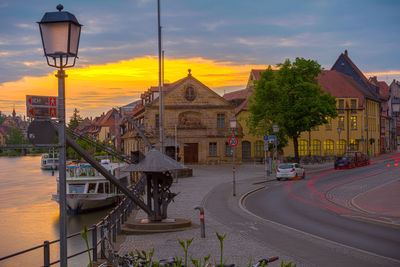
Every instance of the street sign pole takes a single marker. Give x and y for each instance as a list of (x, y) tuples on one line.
[(62, 168)]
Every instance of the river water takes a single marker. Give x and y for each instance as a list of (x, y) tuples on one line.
[(28, 216)]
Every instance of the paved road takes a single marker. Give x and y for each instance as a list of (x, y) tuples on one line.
[(304, 205)]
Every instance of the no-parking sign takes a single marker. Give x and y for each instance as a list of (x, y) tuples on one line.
[(233, 141)]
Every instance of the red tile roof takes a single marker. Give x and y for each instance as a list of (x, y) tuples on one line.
[(240, 94), (257, 73), (340, 85)]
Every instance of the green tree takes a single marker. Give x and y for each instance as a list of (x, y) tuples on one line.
[(291, 98), (2, 118), (15, 136), (75, 120)]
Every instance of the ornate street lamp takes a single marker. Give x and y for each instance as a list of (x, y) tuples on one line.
[(60, 32), (233, 125)]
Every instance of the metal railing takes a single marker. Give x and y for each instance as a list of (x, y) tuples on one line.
[(109, 227)]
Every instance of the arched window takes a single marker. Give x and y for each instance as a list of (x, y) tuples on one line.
[(341, 147), (355, 144), (259, 149), (316, 147), (329, 147), (303, 148)]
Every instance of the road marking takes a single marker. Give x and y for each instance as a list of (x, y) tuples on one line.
[(242, 206)]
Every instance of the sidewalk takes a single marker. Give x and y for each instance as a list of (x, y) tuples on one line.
[(192, 192)]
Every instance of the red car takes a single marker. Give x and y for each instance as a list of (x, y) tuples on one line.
[(351, 159)]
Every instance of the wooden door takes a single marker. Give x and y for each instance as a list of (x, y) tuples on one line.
[(246, 150), (191, 152)]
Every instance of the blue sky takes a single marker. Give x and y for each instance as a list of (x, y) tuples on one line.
[(253, 32)]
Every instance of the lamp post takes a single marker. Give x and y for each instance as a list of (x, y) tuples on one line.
[(232, 125), (339, 129), (275, 129), (60, 32)]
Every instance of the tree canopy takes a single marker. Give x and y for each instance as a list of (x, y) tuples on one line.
[(291, 98), (75, 120)]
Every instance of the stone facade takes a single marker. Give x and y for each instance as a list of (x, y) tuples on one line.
[(196, 115)]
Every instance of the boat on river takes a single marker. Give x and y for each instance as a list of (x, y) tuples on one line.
[(87, 189), (49, 161)]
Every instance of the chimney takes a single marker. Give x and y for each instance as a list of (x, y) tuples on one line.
[(345, 53)]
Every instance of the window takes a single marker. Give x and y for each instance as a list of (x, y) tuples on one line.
[(107, 187), (259, 149), (220, 120), (341, 106), (353, 106), (157, 121), (101, 188), (353, 122), (328, 125), (329, 147), (76, 188), (212, 149), (341, 122), (316, 147), (228, 150), (341, 146), (190, 93), (303, 148), (354, 144), (92, 188)]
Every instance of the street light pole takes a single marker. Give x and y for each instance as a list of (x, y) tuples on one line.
[(160, 89), (233, 124), (339, 129), (60, 32), (62, 166)]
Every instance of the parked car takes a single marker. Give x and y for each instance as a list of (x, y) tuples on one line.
[(289, 170), (351, 159)]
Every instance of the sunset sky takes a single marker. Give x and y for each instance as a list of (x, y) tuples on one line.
[(219, 40)]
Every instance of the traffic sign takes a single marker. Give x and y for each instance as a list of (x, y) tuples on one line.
[(39, 100), (272, 138), (233, 141), (41, 112), (41, 106), (266, 143), (265, 137)]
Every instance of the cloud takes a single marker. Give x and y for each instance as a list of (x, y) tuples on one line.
[(289, 22), (212, 26), (27, 26), (96, 88), (383, 73), (33, 63)]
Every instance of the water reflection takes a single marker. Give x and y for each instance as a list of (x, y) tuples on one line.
[(28, 216)]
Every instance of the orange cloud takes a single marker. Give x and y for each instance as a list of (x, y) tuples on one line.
[(383, 73), (97, 88)]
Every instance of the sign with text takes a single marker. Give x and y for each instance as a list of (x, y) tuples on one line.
[(41, 106), (39, 100), (41, 112)]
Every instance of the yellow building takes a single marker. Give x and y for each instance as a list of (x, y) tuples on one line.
[(252, 146), (357, 125)]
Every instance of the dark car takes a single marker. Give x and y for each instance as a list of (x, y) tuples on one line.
[(351, 159)]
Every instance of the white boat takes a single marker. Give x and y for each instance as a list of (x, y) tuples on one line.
[(49, 161), (88, 190)]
